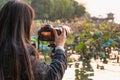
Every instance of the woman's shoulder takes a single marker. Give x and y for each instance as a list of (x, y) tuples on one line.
[(32, 50), (39, 68)]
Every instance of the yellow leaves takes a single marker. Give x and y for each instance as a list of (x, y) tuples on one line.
[(89, 41)]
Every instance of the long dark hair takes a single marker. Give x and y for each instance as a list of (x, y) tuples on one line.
[(15, 22)]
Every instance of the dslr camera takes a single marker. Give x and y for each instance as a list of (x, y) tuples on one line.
[(46, 32)]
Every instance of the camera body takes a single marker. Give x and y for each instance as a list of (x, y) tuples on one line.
[(46, 33)]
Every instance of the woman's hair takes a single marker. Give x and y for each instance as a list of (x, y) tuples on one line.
[(15, 22)]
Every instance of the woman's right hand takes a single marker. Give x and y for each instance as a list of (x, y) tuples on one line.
[(60, 39)]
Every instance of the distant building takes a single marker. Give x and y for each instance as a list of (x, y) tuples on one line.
[(109, 18)]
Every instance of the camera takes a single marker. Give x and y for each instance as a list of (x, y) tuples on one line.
[(46, 32)]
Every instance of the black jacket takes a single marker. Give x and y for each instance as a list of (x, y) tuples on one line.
[(53, 71), (41, 70)]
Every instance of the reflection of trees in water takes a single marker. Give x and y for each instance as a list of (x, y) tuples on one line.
[(85, 72)]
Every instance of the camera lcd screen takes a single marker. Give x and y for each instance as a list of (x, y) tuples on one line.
[(47, 34)]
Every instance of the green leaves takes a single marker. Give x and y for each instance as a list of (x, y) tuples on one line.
[(70, 40), (34, 39), (57, 9), (80, 47), (2, 2)]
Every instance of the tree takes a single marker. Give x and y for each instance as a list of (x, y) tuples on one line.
[(79, 9), (57, 9), (2, 2), (41, 8), (28, 1)]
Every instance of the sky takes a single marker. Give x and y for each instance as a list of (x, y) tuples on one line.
[(100, 8)]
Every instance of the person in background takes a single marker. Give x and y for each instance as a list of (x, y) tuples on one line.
[(18, 58)]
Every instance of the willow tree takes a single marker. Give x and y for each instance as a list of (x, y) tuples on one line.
[(2, 2), (41, 8), (28, 1), (57, 9), (61, 8)]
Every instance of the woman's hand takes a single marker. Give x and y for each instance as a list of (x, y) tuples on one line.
[(61, 39)]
